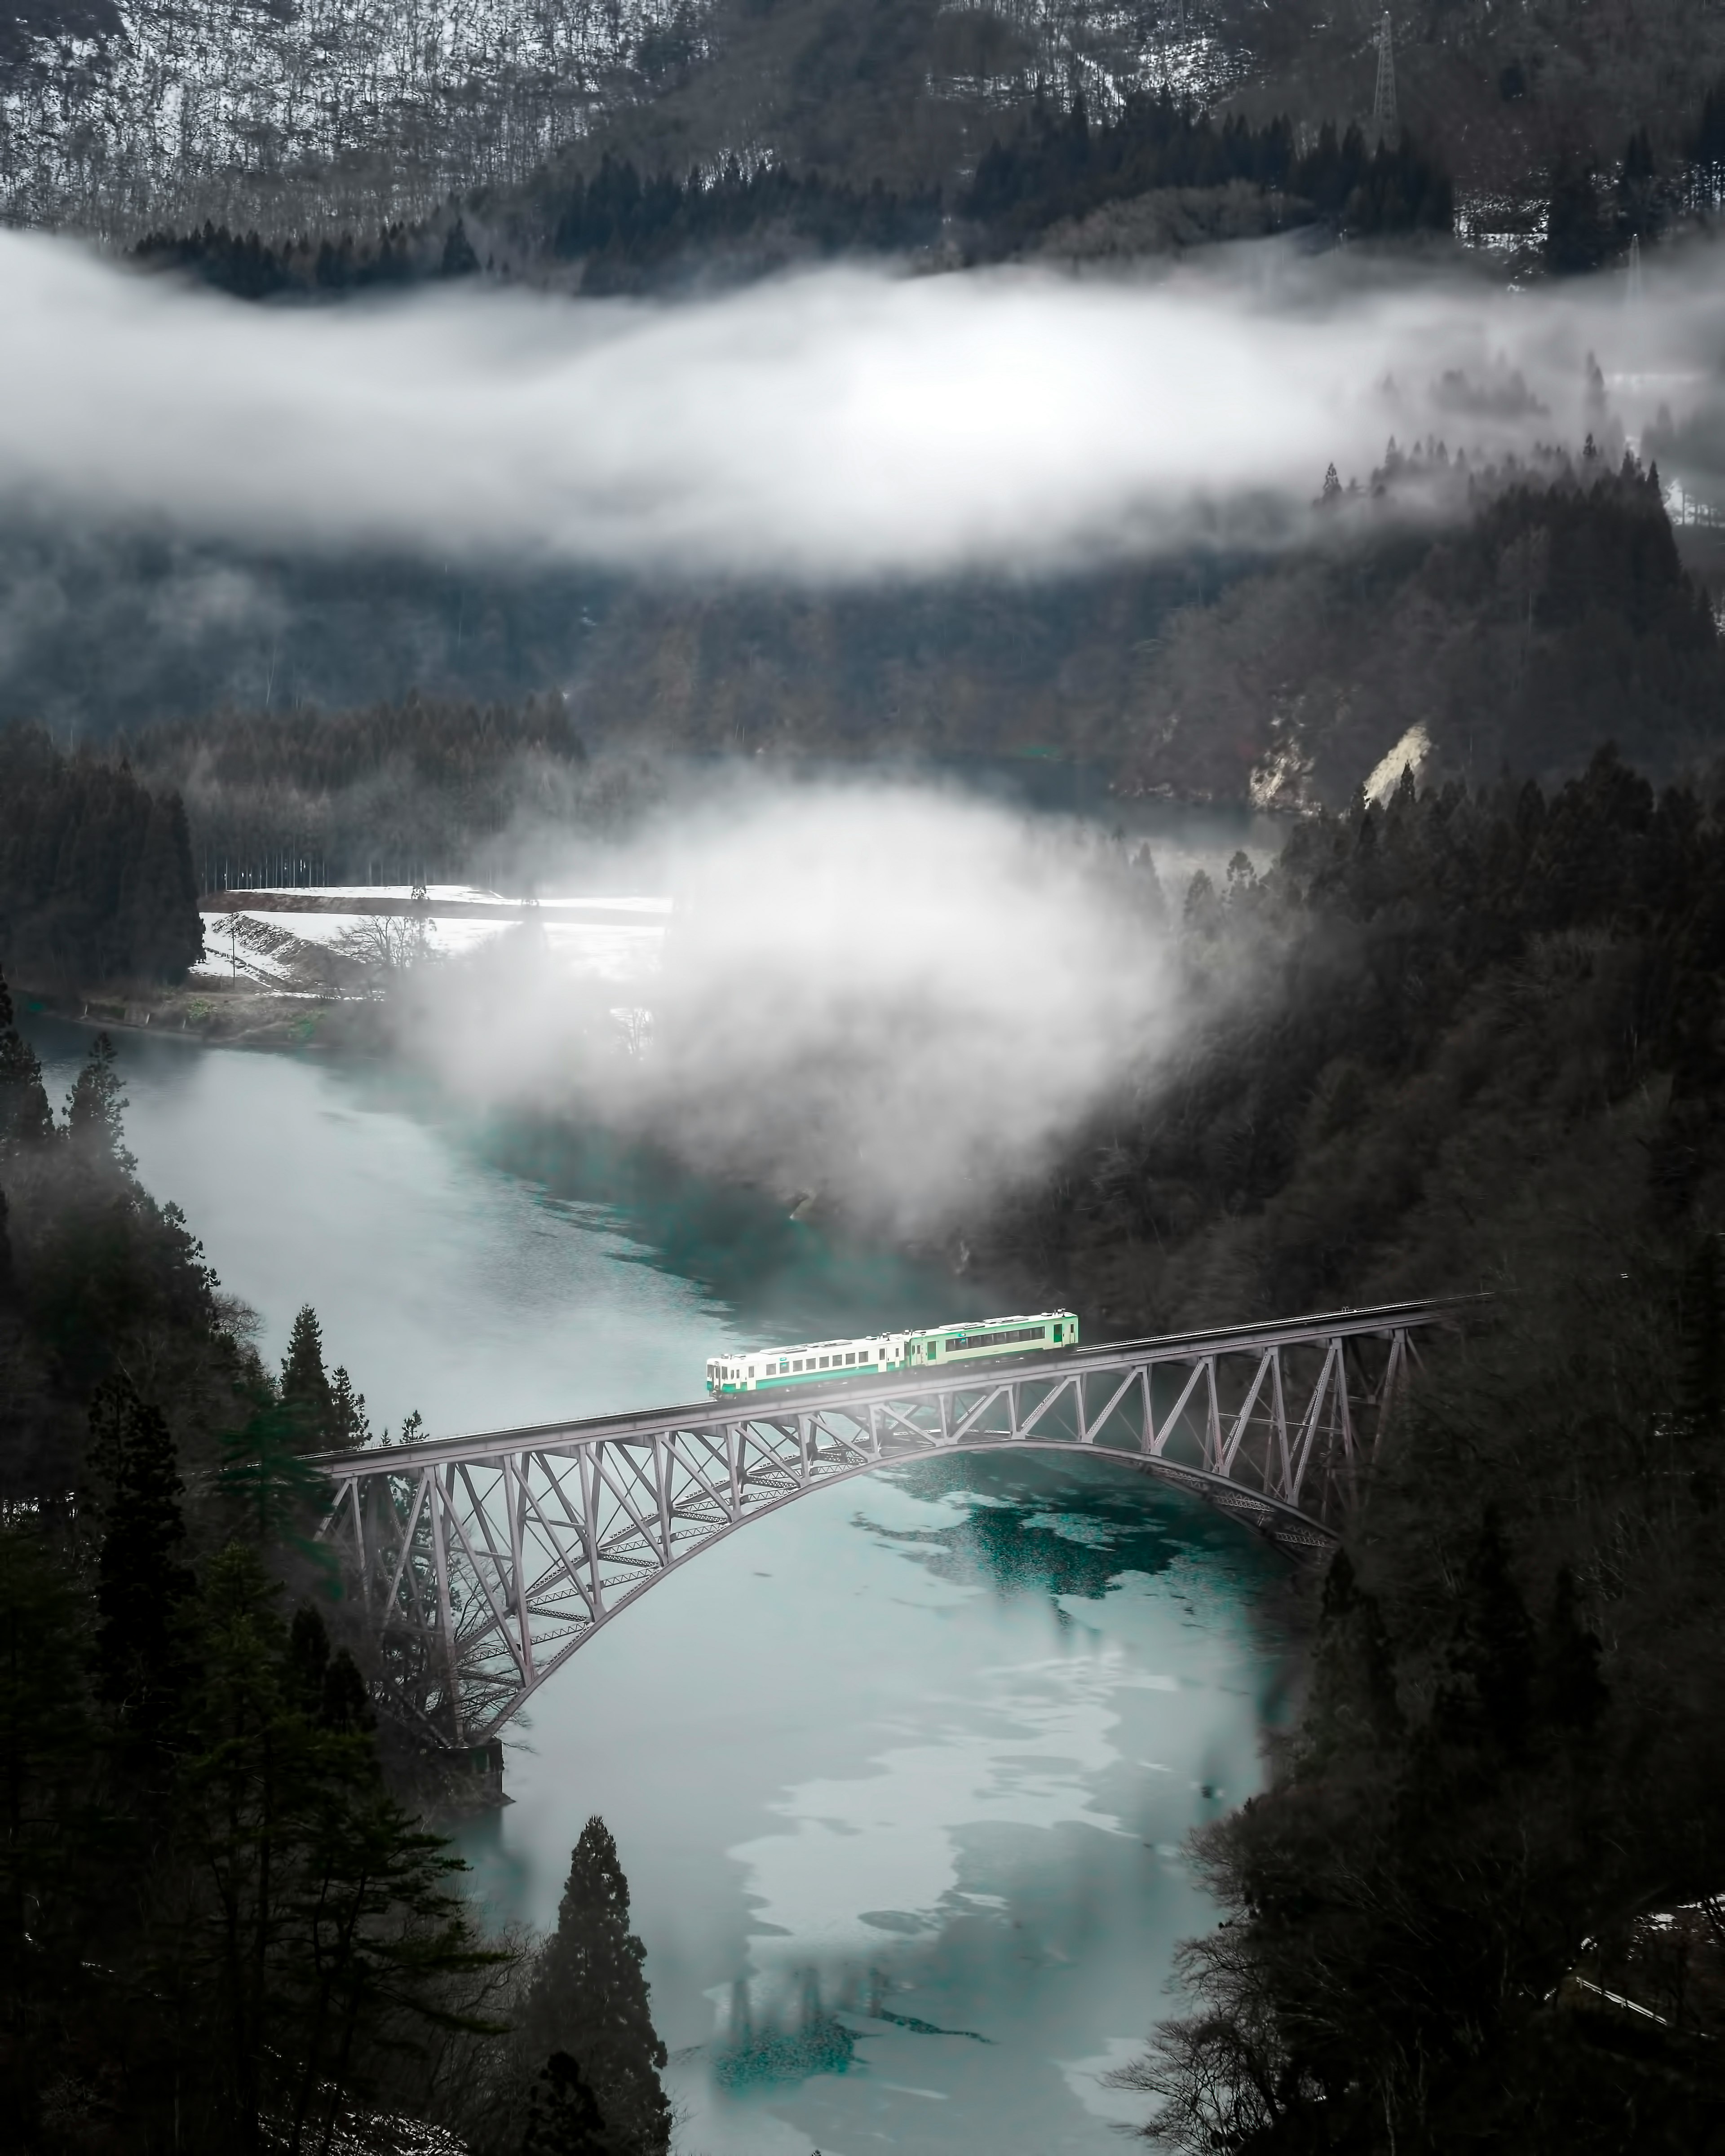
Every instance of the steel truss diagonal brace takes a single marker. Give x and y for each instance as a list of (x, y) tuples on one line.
[(483, 1564)]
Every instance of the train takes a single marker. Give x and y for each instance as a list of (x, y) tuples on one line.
[(937, 1348)]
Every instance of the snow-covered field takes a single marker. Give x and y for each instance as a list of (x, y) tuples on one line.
[(307, 952)]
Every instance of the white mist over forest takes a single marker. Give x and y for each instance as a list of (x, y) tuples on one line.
[(900, 997), (834, 426)]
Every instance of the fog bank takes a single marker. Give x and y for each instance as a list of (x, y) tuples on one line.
[(838, 426), (904, 998)]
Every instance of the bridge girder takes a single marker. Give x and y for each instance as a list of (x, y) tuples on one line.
[(485, 1563)]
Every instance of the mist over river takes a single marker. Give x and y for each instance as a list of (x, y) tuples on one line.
[(900, 1775)]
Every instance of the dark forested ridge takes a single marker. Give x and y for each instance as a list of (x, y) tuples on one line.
[(224, 1925), (426, 789), (1422, 1010), (1061, 165), (1551, 612), (1469, 1040), (628, 231), (1548, 607), (96, 881)]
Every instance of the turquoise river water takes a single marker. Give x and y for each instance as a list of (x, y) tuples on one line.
[(900, 1775)]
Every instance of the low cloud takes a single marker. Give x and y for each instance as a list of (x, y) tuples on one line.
[(902, 998), (841, 426)]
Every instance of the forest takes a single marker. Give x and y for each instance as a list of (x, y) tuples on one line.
[(96, 881), (129, 117), (1467, 1032), (628, 233), (1061, 166), (1553, 612), (224, 1924), (1471, 1036), (424, 790)]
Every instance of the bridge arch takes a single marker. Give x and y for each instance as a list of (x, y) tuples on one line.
[(483, 1563)]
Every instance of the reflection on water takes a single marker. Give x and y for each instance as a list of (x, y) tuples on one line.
[(900, 1774)]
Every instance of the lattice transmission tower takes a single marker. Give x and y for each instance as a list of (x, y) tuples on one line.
[(1384, 117)]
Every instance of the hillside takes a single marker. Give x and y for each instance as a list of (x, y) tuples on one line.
[(122, 117)]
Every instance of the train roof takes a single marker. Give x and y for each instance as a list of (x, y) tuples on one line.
[(891, 1332)]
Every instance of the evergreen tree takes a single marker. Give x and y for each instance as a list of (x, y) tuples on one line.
[(337, 1932), (326, 1686), (305, 1396), (94, 1124), (144, 1581), (458, 258), (1353, 1689), (348, 1427), (563, 2114), (95, 873), (25, 1117), (1490, 1694), (1577, 240), (46, 1758), (265, 1471), (1703, 1341), (589, 2001), (1571, 1691)]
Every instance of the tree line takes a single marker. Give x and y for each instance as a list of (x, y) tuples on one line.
[(1551, 611), (405, 791), (1470, 1038), (252, 269), (1062, 165), (631, 229), (224, 1923), (626, 227), (1592, 214), (96, 881)]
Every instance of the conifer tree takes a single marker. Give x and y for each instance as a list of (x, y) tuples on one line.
[(305, 1395), (1492, 1658), (94, 1124), (25, 1117), (1353, 1689), (1571, 1693), (264, 1470), (589, 2001), (349, 1429), (563, 2114), (143, 1579)]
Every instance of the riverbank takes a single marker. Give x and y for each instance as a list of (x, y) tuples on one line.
[(238, 1014)]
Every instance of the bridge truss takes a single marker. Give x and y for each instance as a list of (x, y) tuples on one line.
[(485, 1563)]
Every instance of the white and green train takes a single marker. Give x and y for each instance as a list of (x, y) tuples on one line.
[(942, 1346)]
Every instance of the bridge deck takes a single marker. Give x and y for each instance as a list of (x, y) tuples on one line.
[(791, 1400), (485, 1561)]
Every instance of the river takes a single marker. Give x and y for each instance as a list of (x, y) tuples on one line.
[(900, 1776)]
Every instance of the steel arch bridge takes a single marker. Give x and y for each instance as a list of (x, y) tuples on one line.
[(484, 1563)]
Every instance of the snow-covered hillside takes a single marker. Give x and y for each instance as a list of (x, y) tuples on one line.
[(210, 108), (291, 115)]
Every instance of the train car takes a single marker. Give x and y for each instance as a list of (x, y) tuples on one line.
[(939, 1348)]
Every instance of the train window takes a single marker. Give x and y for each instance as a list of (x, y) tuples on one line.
[(825, 1362)]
